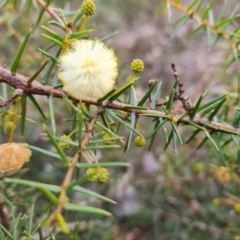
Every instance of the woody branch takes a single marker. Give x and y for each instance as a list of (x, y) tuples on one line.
[(19, 81)]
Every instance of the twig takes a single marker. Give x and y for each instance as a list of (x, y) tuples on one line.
[(68, 177), (178, 95), (20, 82), (204, 22), (50, 11), (18, 93)]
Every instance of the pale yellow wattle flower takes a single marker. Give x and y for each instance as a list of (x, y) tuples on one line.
[(87, 68)]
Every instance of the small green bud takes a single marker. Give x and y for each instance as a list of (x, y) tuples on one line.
[(88, 7), (140, 141), (137, 65), (97, 174), (64, 145), (106, 136)]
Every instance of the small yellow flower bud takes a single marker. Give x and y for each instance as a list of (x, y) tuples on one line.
[(88, 7), (10, 7), (137, 65), (237, 208), (175, 119), (13, 156), (106, 136), (97, 174), (216, 202), (140, 141), (10, 126), (11, 117), (64, 145), (199, 167)]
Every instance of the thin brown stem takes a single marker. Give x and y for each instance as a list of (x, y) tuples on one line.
[(50, 11), (68, 177), (16, 95)]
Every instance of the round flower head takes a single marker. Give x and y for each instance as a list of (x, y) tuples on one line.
[(88, 7), (97, 174), (137, 65), (87, 69), (139, 141), (13, 156)]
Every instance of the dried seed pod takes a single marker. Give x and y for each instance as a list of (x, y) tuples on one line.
[(13, 156)]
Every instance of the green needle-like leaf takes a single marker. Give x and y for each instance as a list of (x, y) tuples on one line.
[(195, 31), (106, 96), (23, 115), (195, 109), (214, 112), (51, 111), (54, 40), (212, 101), (211, 140), (192, 5), (48, 194), (3, 3), (205, 13), (34, 76), (53, 34), (122, 89), (147, 94), (114, 116), (62, 223), (193, 135), (20, 52), (109, 130), (49, 69), (108, 36), (63, 17), (199, 6), (103, 164), (55, 59), (35, 103), (57, 189), (59, 150), (153, 135), (87, 209), (80, 34), (158, 126), (156, 94), (170, 100), (77, 17), (57, 24), (217, 140), (180, 25), (169, 140), (176, 132), (113, 146), (133, 125)]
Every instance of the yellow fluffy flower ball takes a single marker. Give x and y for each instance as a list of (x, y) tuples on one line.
[(13, 156), (87, 69)]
